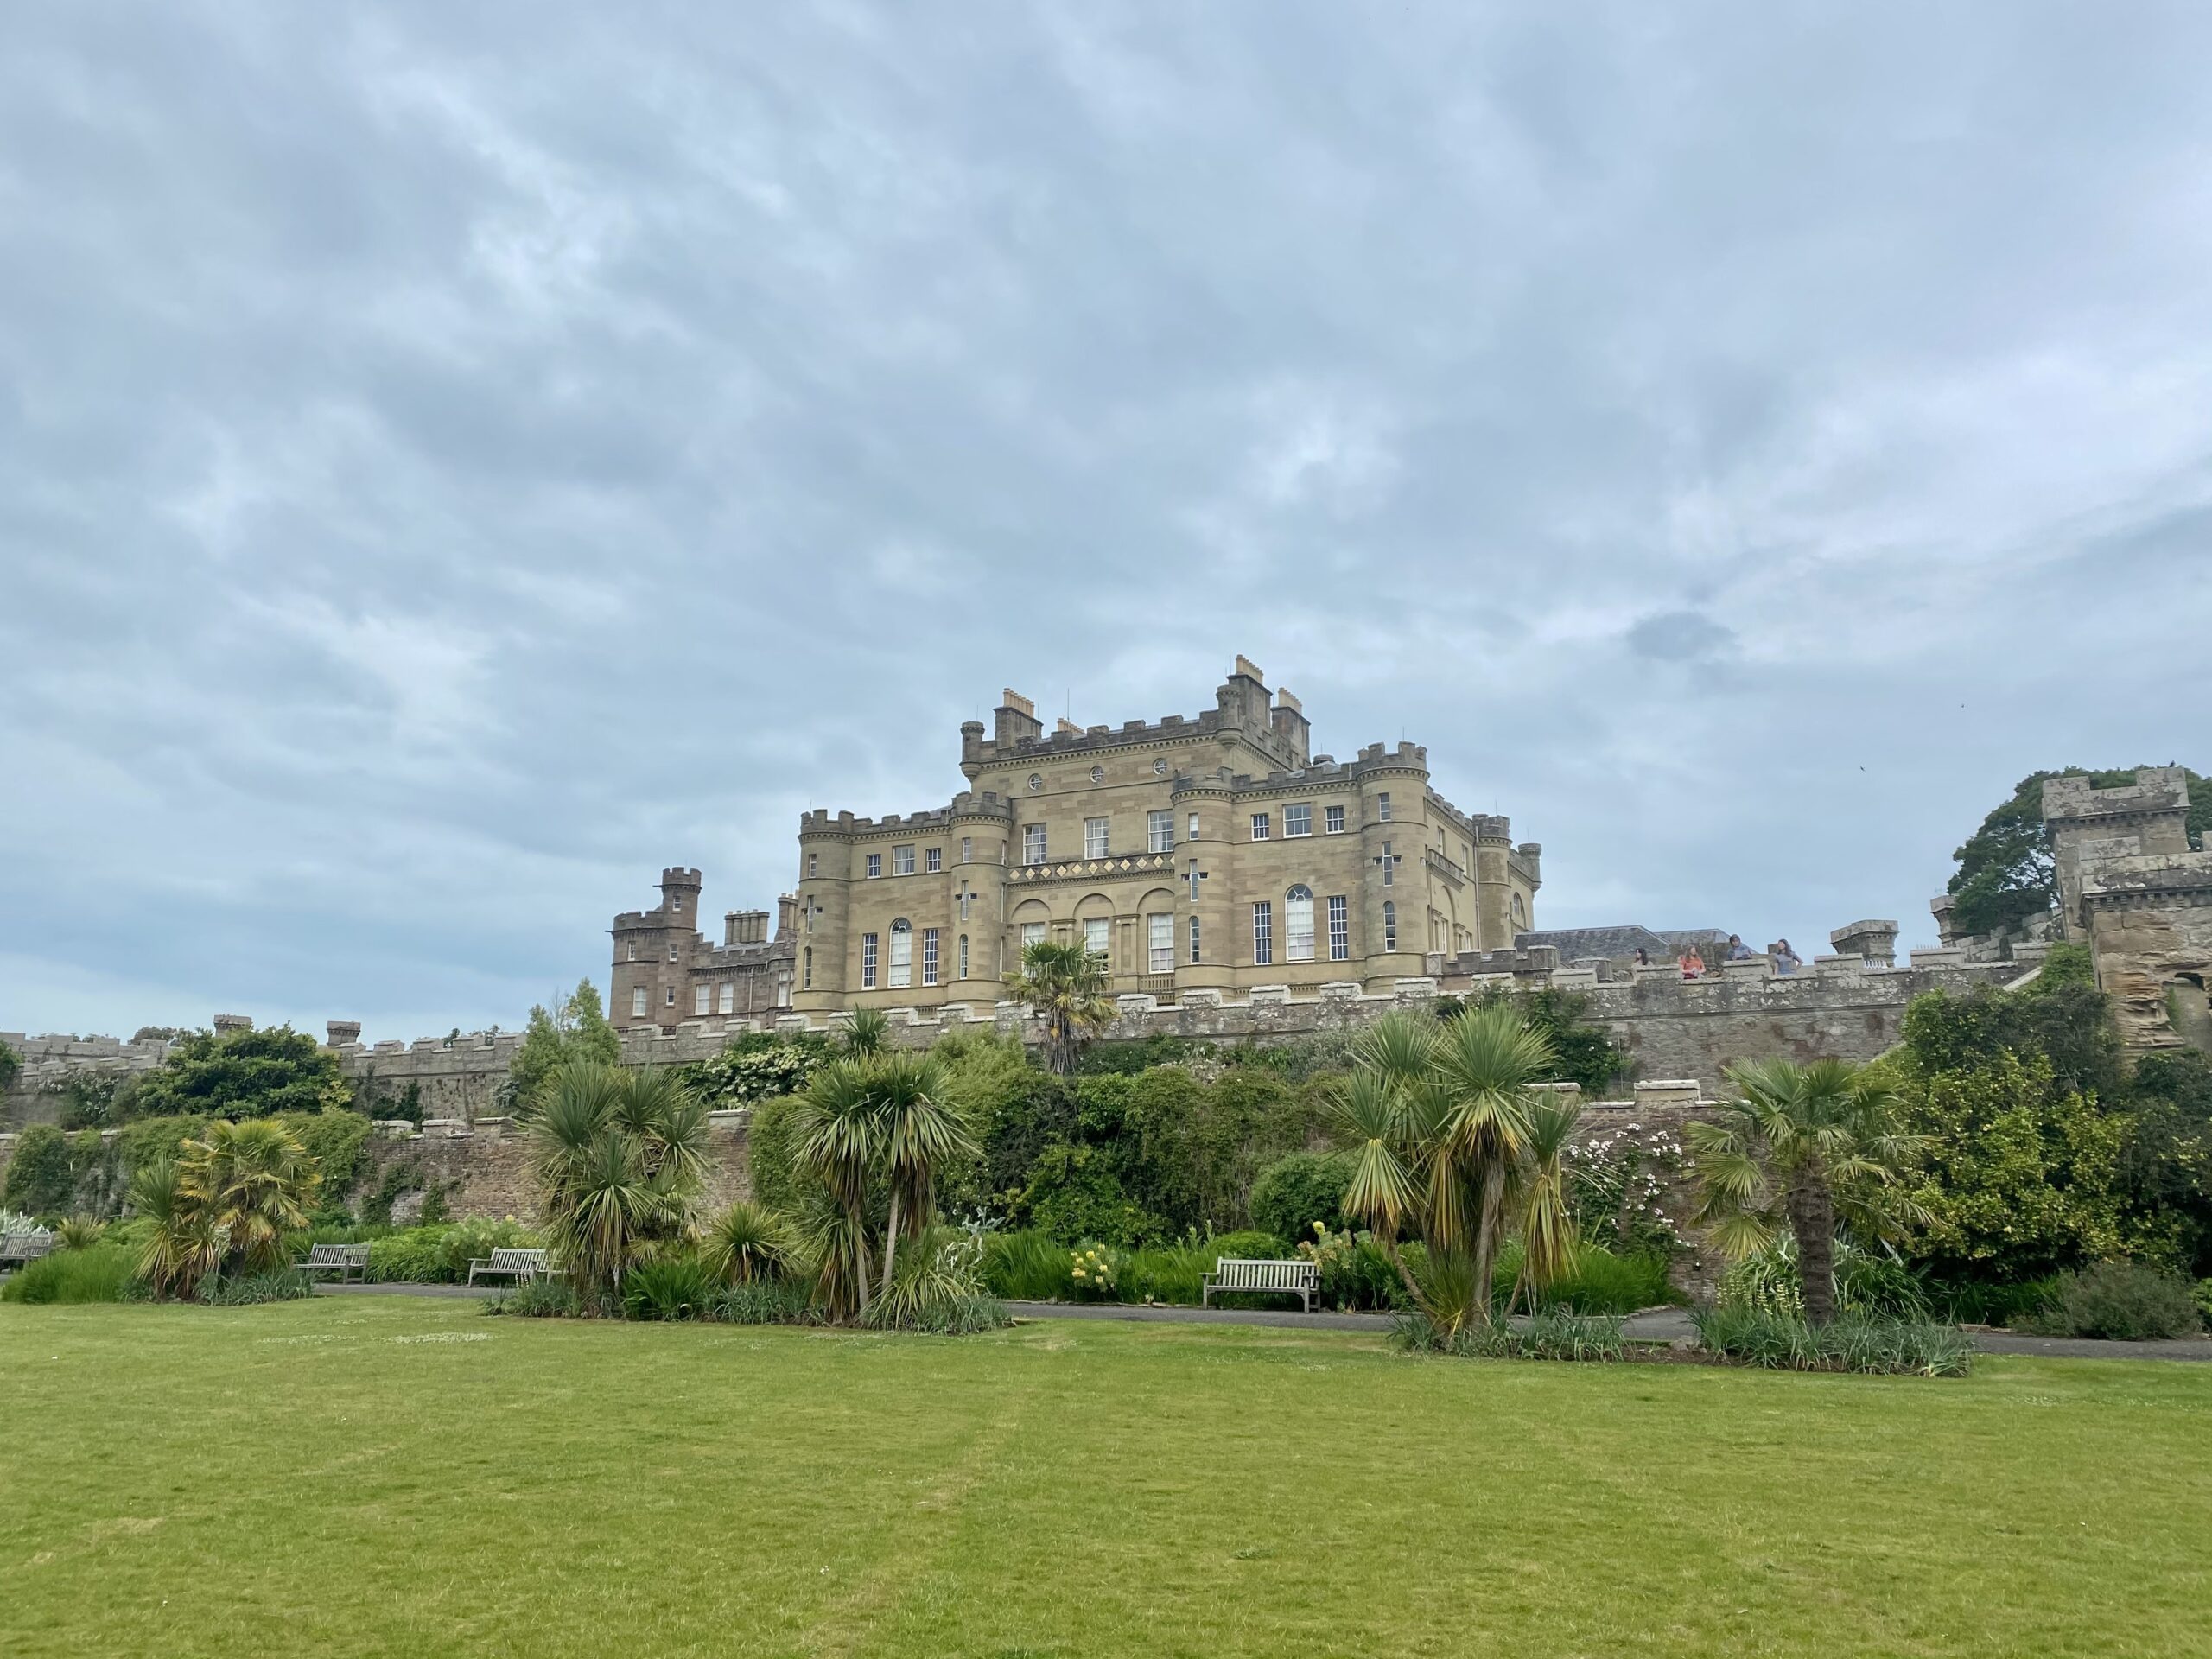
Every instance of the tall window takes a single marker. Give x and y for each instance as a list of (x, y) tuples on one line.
[(1390, 865), (1033, 843), (902, 861), (875, 865), (963, 956), (807, 969), (699, 996), (1259, 826), (867, 961), (1332, 820), (637, 1002), (671, 953), (1160, 944), (1298, 818), (1094, 837), (929, 956), (966, 899), (1382, 806), (1390, 925), (1194, 939), (1298, 924), (1160, 832), (813, 865), (1339, 928), (933, 860), (671, 996), (1096, 937), (967, 849), (902, 954), (633, 953), (729, 996), (1193, 835), (1031, 933), (1194, 878), (1520, 911), (1264, 932)]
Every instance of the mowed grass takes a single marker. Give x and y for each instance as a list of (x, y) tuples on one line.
[(383, 1476)]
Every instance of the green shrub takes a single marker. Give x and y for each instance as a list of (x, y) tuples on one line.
[(1292, 1194), (537, 1299), (2119, 1301), (1554, 1334), (1752, 1336), (758, 1067), (245, 1289), (674, 1287), (1026, 1267), (1356, 1272), (1073, 1194), (440, 1254), (1603, 1282), (779, 1301), (42, 1175), (101, 1273)]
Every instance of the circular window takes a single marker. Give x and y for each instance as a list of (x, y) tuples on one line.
[(1099, 774), (1036, 780), (1159, 767)]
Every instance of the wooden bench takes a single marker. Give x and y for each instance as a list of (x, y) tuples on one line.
[(21, 1249), (524, 1265), (340, 1259), (1296, 1278)]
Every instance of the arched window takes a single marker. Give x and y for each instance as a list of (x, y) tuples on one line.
[(1298, 924), (902, 954), (1390, 925), (806, 969), (1520, 911), (963, 956)]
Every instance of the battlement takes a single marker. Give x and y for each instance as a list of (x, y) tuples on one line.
[(966, 804), (1242, 705), (2156, 790), (1324, 770)]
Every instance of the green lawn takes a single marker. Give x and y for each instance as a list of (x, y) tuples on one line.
[(383, 1476)]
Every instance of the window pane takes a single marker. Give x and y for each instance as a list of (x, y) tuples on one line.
[(1160, 944), (1264, 932), (902, 861), (1259, 826), (699, 995), (929, 956), (1096, 930), (1194, 939), (1298, 925), (1031, 933), (1194, 826), (1382, 807), (729, 997), (1033, 843), (934, 860), (1339, 927), (1298, 818), (1160, 832), (1333, 820), (1094, 837), (867, 961), (638, 1003), (963, 956), (875, 865), (902, 956)]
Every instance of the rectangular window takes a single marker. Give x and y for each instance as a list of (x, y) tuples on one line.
[(966, 899), (1160, 944), (875, 865), (1390, 865), (867, 961), (1382, 806), (671, 996), (1264, 932), (1094, 837), (699, 996), (1339, 928), (729, 996), (929, 956), (1031, 933), (1194, 939), (1160, 832), (1033, 843), (807, 963), (1194, 878), (1298, 926), (813, 865), (967, 849), (633, 953), (1259, 826), (1390, 925), (902, 956), (963, 956), (1298, 818), (1096, 937), (1332, 820), (637, 1002), (902, 861), (933, 860), (1193, 835), (671, 953)]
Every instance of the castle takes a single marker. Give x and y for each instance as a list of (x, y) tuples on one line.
[(1210, 852)]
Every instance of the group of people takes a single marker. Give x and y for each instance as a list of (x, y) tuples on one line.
[(1693, 963)]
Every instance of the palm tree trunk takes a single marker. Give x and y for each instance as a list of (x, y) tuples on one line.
[(1412, 1290), (1812, 1218), (860, 1273), (1487, 1228), (891, 1241)]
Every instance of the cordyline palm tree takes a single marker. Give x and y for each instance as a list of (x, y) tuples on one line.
[(867, 1034), (876, 1134), (252, 1183), (1067, 985), (745, 1243), (1444, 1117), (1548, 1243), (1801, 1148), (618, 1157)]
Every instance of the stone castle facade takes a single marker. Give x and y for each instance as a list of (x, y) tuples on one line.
[(1211, 852)]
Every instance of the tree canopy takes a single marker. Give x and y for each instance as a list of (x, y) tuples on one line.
[(575, 1030), (242, 1074)]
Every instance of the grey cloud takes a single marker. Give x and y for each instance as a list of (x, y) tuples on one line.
[(453, 461)]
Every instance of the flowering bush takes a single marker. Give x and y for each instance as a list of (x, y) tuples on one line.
[(1616, 1185), (1095, 1268)]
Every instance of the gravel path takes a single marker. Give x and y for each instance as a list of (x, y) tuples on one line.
[(1654, 1324)]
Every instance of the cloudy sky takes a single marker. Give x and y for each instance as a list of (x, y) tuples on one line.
[(455, 461)]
